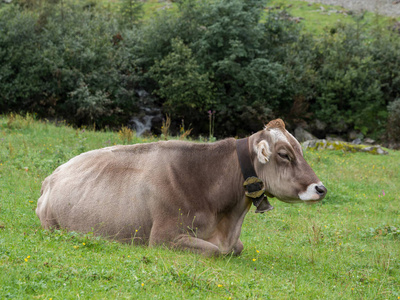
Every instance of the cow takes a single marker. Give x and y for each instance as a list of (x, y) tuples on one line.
[(184, 195)]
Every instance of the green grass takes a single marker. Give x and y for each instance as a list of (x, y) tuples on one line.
[(318, 18), (347, 247)]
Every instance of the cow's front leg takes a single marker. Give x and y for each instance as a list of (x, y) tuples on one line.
[(160, 235), (196, 245), (238, 248)]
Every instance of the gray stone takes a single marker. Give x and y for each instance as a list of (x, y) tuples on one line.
[(344, 146), (357, 141), (369, 141), (367, 149), (334, 138), (353, 135), (303, 135), (319, 125), (309, 144), (379, 150)]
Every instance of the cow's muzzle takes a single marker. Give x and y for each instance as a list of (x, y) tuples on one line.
[(315, 192), (321, 191)]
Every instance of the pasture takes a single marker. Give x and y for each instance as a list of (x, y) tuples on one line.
[(347, 247)]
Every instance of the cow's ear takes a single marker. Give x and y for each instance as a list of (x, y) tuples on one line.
[(263, 151)]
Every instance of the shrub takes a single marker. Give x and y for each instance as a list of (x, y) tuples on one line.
[(84, 63), (349, 93), (186, 91), (71, 63), (393, 124), (226, 50), (21, 67)]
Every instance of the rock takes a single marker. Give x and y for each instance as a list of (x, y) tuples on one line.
[(309, 144), (340, 126), (303, 135), (353, 135), (319, 125), (393, 146), (369, 141), (334, 138), (296, 19), (374, 150), (367, 149), (357, 141), (379, 150), (344, 146)]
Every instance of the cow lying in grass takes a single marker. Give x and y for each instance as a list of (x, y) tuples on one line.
[(186, 195)]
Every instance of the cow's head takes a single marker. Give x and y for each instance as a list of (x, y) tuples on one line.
[(279, 162)]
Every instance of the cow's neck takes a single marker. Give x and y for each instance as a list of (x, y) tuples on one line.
[(254, 187)]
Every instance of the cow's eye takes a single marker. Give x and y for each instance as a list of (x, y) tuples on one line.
[(284, 156)]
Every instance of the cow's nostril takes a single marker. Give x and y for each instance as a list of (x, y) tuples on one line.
[(321, 190)]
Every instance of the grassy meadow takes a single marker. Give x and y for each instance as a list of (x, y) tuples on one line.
[(314, 17), (347, 247)]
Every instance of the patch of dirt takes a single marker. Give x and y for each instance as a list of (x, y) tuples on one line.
[(382, 7)]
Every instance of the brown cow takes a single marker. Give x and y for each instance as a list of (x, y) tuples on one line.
[(181, 194)]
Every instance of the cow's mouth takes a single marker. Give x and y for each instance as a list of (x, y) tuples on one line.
[(312, 201), (290, 200)]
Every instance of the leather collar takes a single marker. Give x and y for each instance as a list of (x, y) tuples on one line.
[(253, 186)]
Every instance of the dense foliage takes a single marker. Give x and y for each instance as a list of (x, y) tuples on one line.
[(87, 64)]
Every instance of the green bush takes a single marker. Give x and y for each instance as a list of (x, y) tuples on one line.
[(349, 92), (21, 67), (84, 63), (228, 46), (187, 93), (71, 63), (393, 125)]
